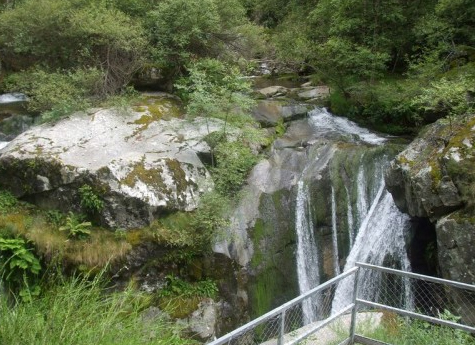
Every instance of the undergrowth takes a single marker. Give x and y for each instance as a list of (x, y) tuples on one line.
[(81, 310)]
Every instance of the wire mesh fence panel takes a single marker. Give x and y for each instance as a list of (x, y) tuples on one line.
[(435, 299), (392, 306), (415, 308)]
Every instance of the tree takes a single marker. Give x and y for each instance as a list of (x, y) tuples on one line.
[(77, 34), (183, 30)]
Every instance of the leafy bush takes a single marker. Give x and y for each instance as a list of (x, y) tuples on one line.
[(183, 30), (56, 93), (89, 200), (18, 267), (70, 40), (210, 217), (178, 287), (234, 160), (76, 227), (216, 90), (7, 201)]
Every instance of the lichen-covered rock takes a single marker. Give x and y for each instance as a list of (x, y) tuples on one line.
[(455, 241), (454, 232), (434, 177), (141, 162), (431, 177)]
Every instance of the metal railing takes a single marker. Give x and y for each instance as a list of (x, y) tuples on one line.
[(315, 318)]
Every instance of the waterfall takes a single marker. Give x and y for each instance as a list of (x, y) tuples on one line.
[(336, 259), (361, 203), (381, 234), (351, 230), (375, 227), (307, 254)]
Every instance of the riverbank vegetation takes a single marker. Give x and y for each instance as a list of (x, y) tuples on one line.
[(392, 65)]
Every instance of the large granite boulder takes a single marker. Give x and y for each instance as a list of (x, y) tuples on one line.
[(434, 178), (141, 162)]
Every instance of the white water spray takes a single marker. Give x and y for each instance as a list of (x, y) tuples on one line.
[(381, 234), (307, 252), (336, 258)]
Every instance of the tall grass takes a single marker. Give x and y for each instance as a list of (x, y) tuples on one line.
[(400, 331), (79, 311)]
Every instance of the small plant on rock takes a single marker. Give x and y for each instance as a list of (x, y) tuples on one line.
[(90, 201), (76, 227)]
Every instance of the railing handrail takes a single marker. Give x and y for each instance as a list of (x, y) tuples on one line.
[(353, 306), (283, 307), (417, 276)]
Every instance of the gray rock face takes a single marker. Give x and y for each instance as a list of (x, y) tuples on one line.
[(270, 112), (455, 239), (315, 92), (139, 164), (202, 322), (433, 178), (419, 180), (273, 91)]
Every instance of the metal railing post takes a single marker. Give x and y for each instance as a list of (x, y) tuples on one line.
[(282, 328), (355, 307)]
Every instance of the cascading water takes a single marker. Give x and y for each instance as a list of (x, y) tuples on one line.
[(307, 254), (375, 229), (336, 259), (381, 235)]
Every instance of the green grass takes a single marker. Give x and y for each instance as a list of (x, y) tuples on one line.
[(79, 311), (399, 331)]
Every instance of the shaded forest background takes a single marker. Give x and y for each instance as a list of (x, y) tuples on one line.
[(392, 64)]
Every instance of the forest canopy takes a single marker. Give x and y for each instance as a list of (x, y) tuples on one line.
[(379, 56)]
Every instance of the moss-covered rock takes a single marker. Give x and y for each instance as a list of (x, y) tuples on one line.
[(434, 178)]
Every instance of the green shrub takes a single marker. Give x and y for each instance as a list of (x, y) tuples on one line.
[(7, 201), (90, 201), (70, 36), (76, 227), (234, 160), (56, 93), (177, 287), (19, 267)]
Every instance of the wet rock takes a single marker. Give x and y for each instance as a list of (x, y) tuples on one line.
[(273, 91), (315, 93), (270, 112)]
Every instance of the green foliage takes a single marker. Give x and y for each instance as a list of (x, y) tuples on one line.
[(55, 93), (90, 201), (81, 311), (18, 267), (182, 30), (177, 287), (234, 161), (7, 201), (211, 216), (448, 96), (215, 89), (77, 42), (76, 227), (403, 331), (55, 218)]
